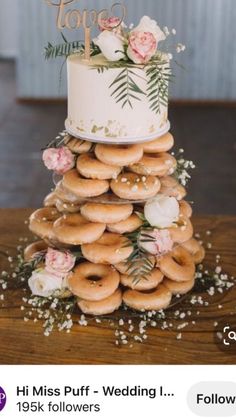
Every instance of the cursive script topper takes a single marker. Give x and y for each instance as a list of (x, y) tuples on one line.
[(69, 17)]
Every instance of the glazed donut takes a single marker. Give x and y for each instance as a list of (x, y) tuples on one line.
[(161, 164), (119, 155), (153, 279), (65, 207), (179, 287), (178, 265), (33, 249), (160, 145), (124, 267), (109, 249), (89, 167), (171, 187), (66, 196), (50, 200), (106, 213), (84, 188), (182, 231), (93, 282), (102, 307), (133, 186), (158, 299), (185, 209), (73, 229), (196, 249), (128, 226), (77, 146), (41, 222)]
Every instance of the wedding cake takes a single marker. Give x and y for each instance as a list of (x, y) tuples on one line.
[(116, 229), (93, 111)]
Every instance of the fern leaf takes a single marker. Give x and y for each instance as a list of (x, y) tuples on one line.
[(158, 86), (67, 48)]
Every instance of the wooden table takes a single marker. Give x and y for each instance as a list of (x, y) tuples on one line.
[(24, 343)]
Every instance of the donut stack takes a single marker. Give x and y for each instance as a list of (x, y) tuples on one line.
[(94, 209)]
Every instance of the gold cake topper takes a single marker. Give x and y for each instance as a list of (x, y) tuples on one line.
[(74, 18)]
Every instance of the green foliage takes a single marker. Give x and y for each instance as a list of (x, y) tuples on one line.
[(25, 269), (140, 263), (62, 50), (158, 78), (68, 48), (182, 172), (126, 88)]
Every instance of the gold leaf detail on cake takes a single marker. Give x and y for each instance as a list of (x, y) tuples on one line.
[(80, 129), (152, 129), (95, 129)]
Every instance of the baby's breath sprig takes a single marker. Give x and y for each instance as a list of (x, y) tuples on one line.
[(212, 282), (54, 310), (183, 167), (25, 269)]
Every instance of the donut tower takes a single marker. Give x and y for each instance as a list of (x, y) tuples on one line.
[(95, 208), (116, 225)]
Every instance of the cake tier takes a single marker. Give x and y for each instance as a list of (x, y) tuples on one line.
[(94, 113)]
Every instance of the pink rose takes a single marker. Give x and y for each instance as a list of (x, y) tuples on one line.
[(112, 23), (58, 159), (159, 244), (142, 47), (59, 262)]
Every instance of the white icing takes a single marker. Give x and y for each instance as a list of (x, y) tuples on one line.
[(94, 114)]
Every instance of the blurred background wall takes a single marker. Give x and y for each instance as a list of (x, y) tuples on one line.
[(207, 27), (8, 28)]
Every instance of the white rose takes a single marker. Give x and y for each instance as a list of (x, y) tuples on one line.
[(44, 283), (146, 24), (162, 211), (111, 45)]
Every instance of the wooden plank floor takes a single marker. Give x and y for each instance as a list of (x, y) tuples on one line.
[(207, 133), (24, 343)]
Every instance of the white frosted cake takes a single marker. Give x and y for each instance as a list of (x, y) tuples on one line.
[(94, 112)]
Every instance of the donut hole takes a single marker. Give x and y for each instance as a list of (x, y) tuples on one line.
[(178, 260), (151, 155), (94, 278), (147, 292), (50, 219)]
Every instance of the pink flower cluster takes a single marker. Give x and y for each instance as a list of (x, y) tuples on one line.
[(142, 47), (59, 263), (160, 241), (139, 44), (112, 23), (53, 278), (58, 159)]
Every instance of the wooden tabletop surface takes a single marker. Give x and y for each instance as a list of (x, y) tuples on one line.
[(24, 343)]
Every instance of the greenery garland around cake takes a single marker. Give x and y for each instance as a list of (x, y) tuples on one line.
[(130, 49)]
